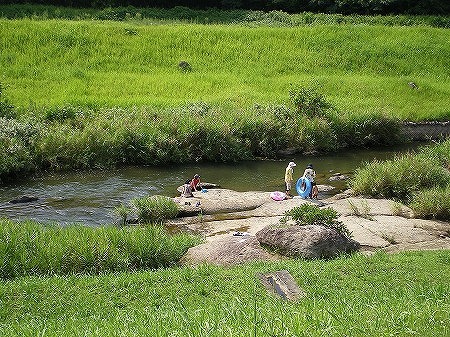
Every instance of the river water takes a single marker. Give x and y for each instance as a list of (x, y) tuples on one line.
[(90, 197)]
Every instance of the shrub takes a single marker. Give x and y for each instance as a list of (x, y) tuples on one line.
[(308, 101), (401, 177), (17, 146), (155, 209), (308, 214)]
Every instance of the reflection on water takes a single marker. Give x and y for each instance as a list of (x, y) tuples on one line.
[(90, 197)]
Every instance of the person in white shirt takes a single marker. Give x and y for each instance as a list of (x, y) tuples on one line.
[(310, 174)]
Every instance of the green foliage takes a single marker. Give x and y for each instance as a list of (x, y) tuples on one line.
[(29, 248), (271, 12), (155, 209), (122, 211), (17, 147), (366, 129), (309, 101), (401, 177), (380, 295), (420, 178), (432, 203), (6, 109), (308, 214)]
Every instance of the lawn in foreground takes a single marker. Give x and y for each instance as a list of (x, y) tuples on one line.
[(405, 294)]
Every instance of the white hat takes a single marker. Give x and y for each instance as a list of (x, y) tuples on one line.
[(292, 164)]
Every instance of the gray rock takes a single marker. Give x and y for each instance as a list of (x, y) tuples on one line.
[(309, 242), (338, 177), (24, 199), (227, 250)]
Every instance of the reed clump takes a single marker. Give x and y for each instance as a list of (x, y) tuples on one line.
[(30, 248), (419, 178), (155, 209)]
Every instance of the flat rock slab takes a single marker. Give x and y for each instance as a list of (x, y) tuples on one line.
[(221, 212), (229, 250), (282, 283), (437, 244), (222, 201), (365, 206)]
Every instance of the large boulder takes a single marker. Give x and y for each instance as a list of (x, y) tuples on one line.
[(228, 250), (309, 242)]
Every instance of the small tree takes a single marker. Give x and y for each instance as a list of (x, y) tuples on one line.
[(308, 101)]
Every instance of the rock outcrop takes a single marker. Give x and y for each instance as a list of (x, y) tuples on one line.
[(308, 242), (375, 224)]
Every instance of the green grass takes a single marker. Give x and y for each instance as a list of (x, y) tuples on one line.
[(404, 294), (49, 63), (432, 203), (421, 179), (155, 209), (29, 248)]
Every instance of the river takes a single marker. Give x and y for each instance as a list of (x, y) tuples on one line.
[(90, 197)]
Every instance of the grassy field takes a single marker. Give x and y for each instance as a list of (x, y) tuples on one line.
[(49, 63), (404, 294)]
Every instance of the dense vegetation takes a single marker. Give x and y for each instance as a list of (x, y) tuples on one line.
[(322, 6), (381, 295), (29, 248), (421, 179), (213, 16)]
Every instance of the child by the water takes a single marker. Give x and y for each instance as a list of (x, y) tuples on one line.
[(310, 174), (187, 189), (289, 178), (195, 183)]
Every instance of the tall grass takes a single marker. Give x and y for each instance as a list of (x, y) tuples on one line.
[(54, 63), (29, 248), (382, 295), (421, 178), (432, 203), (155, 209)]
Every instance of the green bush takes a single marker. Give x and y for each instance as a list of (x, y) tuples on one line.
[(308, 214), (17, 147), (309, 101), (154, 209), (432, 203), (29, 248)]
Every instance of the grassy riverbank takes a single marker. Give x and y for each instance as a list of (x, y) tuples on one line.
[(83, 94), (382, 295), (421, 179), (29, 248)]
